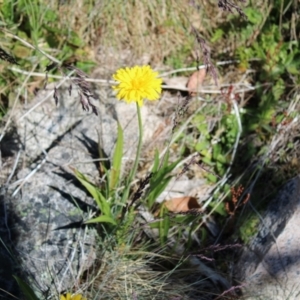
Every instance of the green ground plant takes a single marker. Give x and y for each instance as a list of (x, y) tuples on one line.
[(268, 46)]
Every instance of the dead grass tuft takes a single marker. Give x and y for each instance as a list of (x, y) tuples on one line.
[(120, 273), (157, 29)]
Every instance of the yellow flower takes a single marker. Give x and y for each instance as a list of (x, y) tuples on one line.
[(137, 83), (74, 297)]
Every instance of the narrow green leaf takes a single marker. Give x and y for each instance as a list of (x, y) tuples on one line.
[(157, 189), (101, 219), (164, 226), (95, 193), (105, 164), (26, 289), (117, 160), (166, 160), (155, 224), (212, 178), (156, 161), (162, 173), (217, 35), (219, 208), (159, 181)]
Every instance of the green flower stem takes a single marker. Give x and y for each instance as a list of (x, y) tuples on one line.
[(137, 157)]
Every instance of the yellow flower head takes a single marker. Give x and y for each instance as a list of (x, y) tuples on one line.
[(74, 297), (137, 83)]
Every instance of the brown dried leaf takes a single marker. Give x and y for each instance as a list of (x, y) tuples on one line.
[(182, 204), (195, 81)]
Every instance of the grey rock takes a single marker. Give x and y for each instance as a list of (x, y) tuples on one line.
[(269, 267), (44, 202), (41, 125)]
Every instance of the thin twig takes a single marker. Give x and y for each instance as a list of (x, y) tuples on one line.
[(220, 63), (29, 176), (31, 46), (14, 168), (246, 88), (40, 74)]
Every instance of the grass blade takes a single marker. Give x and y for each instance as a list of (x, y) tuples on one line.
[(117, 160), (26, 289)]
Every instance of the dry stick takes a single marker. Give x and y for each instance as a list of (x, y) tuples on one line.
[(111, 82), (39, 74), (14, 168), (31, 173), (203, 91), (69, 260), (219, 63), (29, 176), (83, 256), (8, 293), (23, 180), (32, 47)]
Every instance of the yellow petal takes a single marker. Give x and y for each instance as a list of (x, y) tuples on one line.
[(66, 297), (78, 297), (136, 84)]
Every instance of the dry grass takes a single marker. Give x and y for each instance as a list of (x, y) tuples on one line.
[(124, 273), (156, 29)]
